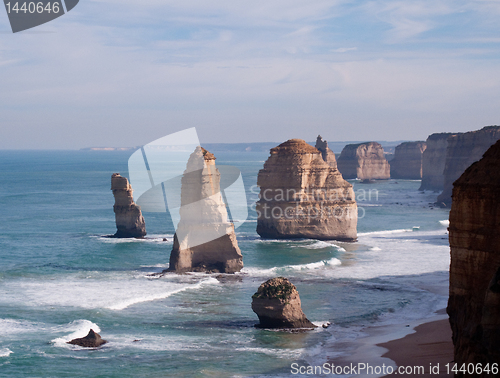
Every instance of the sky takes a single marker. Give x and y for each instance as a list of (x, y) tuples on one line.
[(124, 73)]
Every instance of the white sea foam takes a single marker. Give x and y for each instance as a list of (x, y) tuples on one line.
[(385, 232), (108, 290), (148, 239), (445, 222), (320, 245), (77, 329), (323, 264), (12, 327), (5, 352)]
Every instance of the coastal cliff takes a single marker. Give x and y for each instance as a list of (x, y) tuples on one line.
[(326, 153), (301, 196), (433, 162), (463, 150), (205, 238), (364, 161), (407, 162), (474, 302), (129, 220)]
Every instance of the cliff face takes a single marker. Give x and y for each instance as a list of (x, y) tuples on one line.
[(129, 220), (205, 238), (326, 153), (474, 303), (407, 162), (463, 150), (301, 196), (364, 161), (433, 162)]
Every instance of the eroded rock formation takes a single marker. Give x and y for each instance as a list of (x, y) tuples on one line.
[(433, 162), (463, 150), (129, 220), (474, 302), (364, 161), (92, 340), (277, 304), (407, 161), (301, 196), (205, 238), (326, 153)]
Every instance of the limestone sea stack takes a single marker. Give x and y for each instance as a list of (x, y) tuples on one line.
[(407, 161), (463, 150), (433, 162), (277, 304), (364, 161), (129, 220), (301, 196), (205, 238), (326, 153), (474, 302), (92, 340)]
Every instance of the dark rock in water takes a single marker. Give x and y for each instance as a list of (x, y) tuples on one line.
[(129, 220), (474, 302), (92, 340), (277, 304)]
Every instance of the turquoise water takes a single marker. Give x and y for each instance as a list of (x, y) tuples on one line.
[(59, 277)]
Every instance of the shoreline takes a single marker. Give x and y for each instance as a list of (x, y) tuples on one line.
[(417, 343), (429, 347)]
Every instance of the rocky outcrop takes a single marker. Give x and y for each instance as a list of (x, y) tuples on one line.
[(92, 340), (433, 162), (364, 161), (463, 150), (407, 161), (204, 239), (474, 302), (277, 304), (326, 153), (301, 196), (129, 220)]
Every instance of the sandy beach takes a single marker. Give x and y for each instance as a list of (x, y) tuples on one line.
[(429, 346)]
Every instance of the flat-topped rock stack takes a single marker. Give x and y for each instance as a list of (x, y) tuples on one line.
[(407, 161), (364, 161), (302, 196), (205, 238), (128, 216), (474, 302), (463, 149)]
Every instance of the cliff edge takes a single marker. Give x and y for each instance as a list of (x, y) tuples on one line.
[(474, 302)]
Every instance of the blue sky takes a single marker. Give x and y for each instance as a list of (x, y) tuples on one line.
[(123, 73)]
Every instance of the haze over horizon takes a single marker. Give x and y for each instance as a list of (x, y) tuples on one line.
[(123, 73)]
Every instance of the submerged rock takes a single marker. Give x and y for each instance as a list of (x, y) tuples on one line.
[(277, 304), (463, 150), (365, 161), (129, 220), (205, 239), (407, 161), (301, 196), (474, 302), (92, 340)]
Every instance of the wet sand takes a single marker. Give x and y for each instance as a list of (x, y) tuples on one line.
[(430, 345)]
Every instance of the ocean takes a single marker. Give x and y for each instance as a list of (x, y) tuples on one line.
[(59, 277)]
